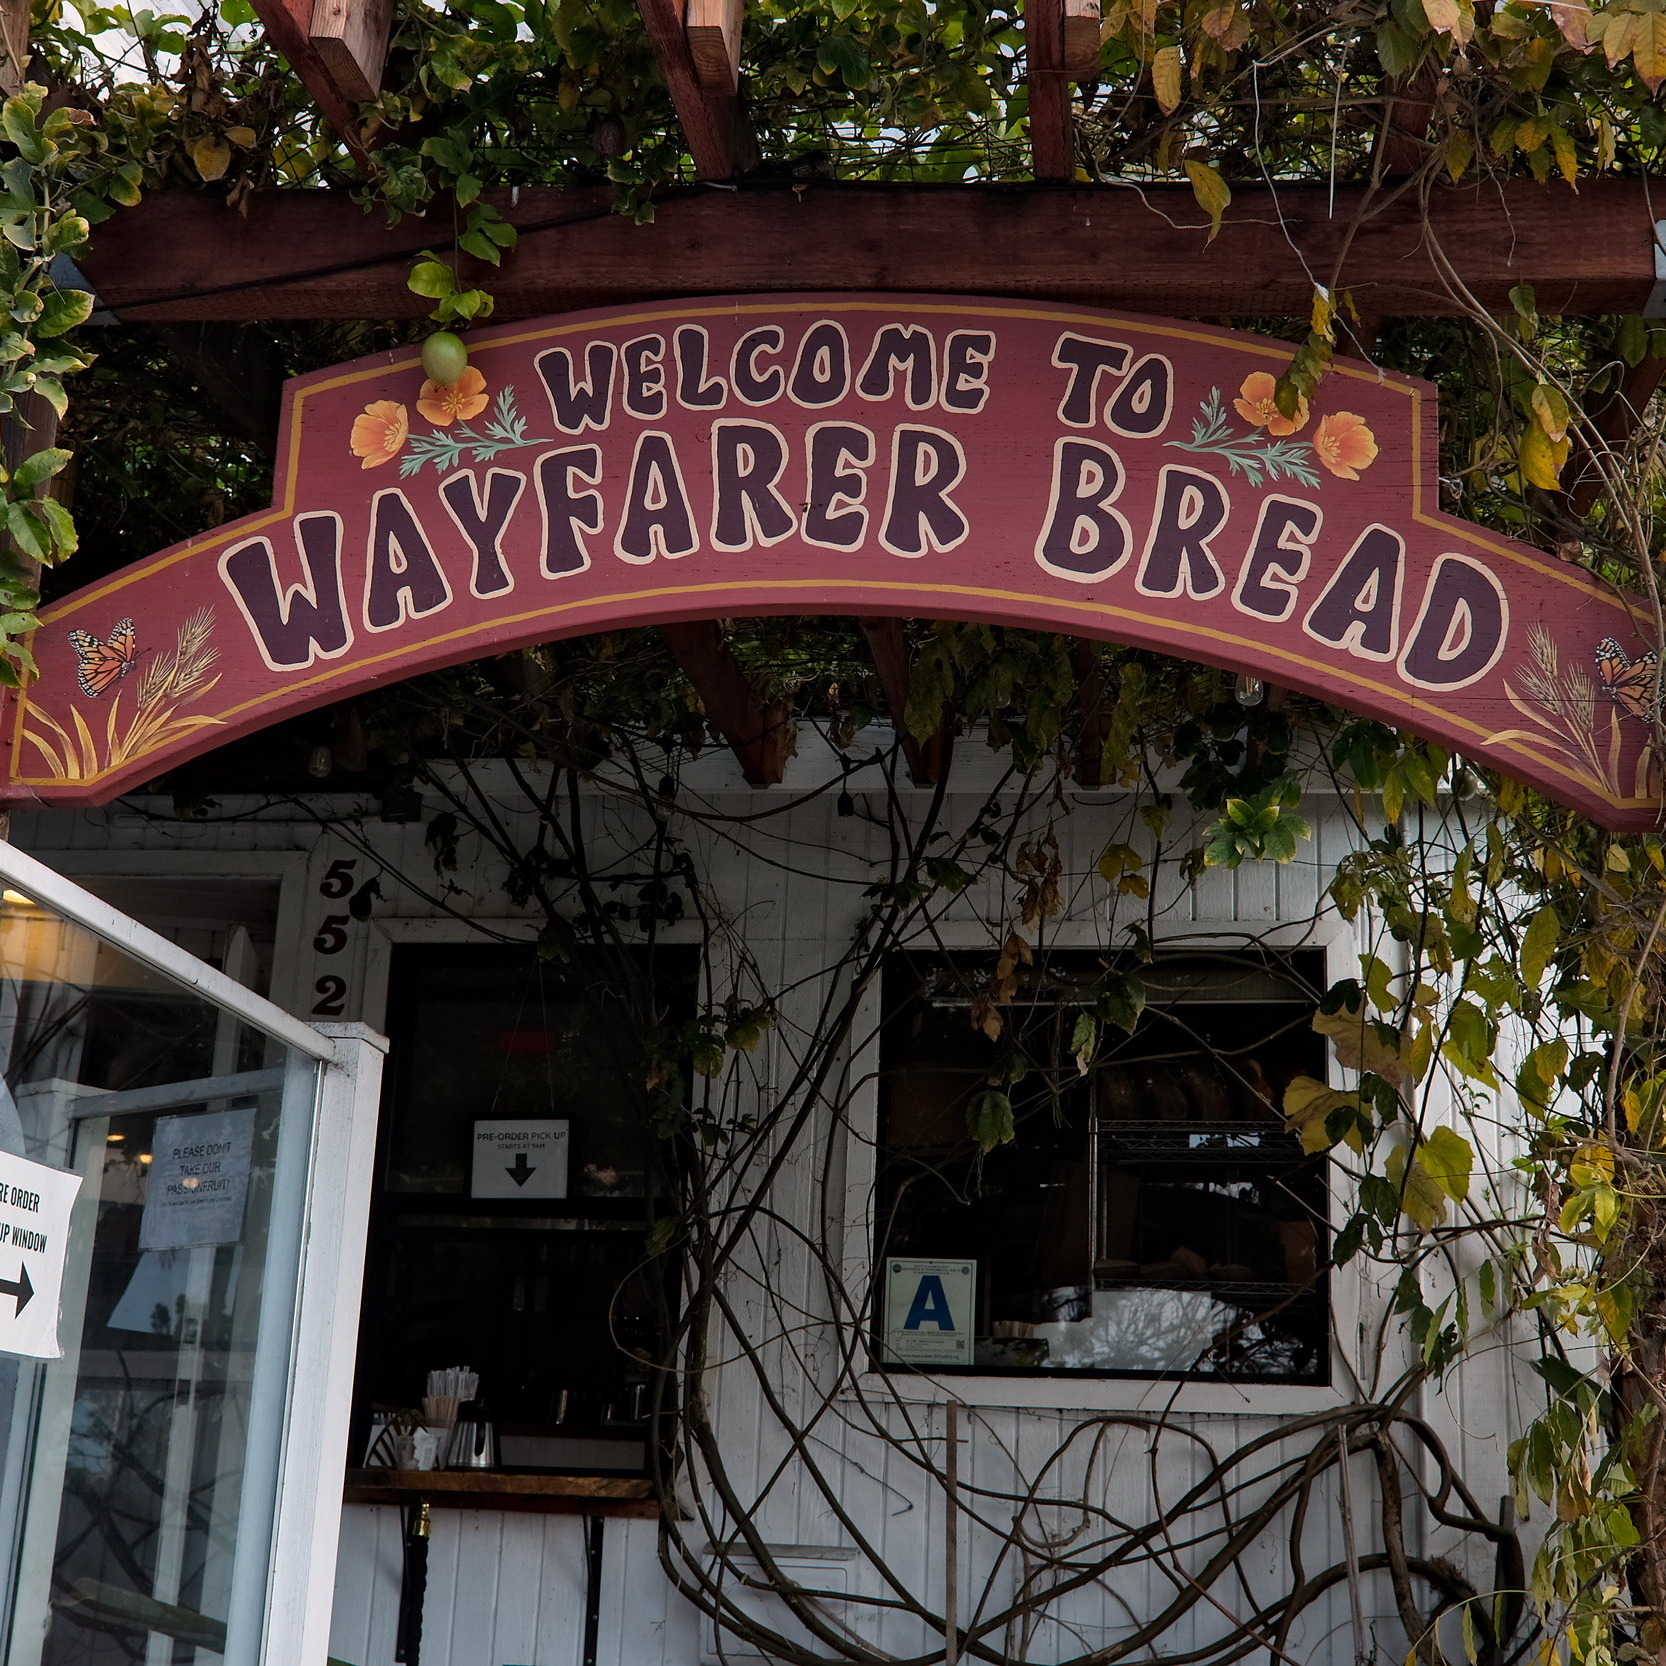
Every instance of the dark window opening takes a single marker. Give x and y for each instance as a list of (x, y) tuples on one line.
[(531, 1271), (1154, 1214)]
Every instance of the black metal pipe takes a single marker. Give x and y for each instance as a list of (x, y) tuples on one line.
[(593, 1526)]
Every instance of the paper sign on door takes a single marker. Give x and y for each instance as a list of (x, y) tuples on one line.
[(35, 1202), (199, 1180), (520, 1157)]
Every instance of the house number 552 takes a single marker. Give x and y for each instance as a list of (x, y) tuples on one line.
[(331, 938)]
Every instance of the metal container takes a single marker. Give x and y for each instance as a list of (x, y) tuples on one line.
[(473, 1440)]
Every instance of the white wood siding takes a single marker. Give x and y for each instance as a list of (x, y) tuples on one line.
[(508, 1590)]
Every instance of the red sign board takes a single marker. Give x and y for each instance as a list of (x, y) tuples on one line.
[(1060, 468)]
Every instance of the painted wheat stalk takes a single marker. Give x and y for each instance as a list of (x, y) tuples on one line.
[(166, 683), (1562, 702)]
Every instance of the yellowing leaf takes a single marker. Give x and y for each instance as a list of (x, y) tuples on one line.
[(1573, 18), (1447, 1158), (211, 155), (1593, 1163), (1567, 158), (1531, 133), (1648, 48), (1538, 943), (1420, 1198), (1212, 193), (1165, 81), (1360, 1047), (1394, 796), (1422, 1051), (1217, 21), (1379, 980), (1308, 1104), (1324, 310), (1460, 152), (1442, 15), (1617, 33), (1541, 458)]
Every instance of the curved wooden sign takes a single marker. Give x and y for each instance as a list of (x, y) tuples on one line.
[(1061, 468)]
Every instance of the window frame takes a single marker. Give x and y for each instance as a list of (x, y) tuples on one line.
[(386, 936), (1048, 1391)]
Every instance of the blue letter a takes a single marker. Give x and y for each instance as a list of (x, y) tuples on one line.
[(930, 1302)]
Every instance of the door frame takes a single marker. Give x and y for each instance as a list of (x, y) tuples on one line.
[(324, 1249)]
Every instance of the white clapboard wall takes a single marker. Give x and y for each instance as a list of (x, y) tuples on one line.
[(509, 1589)]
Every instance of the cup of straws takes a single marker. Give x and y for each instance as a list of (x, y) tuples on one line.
[(447, 1390)]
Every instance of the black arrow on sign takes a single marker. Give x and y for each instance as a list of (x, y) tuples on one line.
[(22, 1289), (520, 1174)]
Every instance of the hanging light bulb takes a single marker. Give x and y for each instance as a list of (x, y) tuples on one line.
[(320, 763), (1249, 691)]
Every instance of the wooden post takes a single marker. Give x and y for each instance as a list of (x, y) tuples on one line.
[(288, 23), (760, 736), (351, 39), (238, 368), (714, 28), (1096, 719), (1081, 39), (1061, 43), (708, 105), (14, 44), (1615, 419), (1403, 138), (1052, 128), (889, 651)]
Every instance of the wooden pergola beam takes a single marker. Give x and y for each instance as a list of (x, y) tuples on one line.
[(1615, 418), (351, 38), (760, 735), (14, 46), (697, 43), (1061, 44), (1052, 131), (239, 369), (316, 254), (1094, 709), (714, 30), (326, 63), (1403, 138), (888, 649)]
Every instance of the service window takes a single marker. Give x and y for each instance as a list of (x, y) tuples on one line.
[(517, 1186), (1153, 1214)]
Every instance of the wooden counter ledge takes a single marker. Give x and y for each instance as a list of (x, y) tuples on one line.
[(584, 1495)]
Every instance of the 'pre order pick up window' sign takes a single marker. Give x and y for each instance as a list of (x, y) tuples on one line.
[(35, 1204)]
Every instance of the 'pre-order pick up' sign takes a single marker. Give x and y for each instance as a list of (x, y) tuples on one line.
[(35, 1203)]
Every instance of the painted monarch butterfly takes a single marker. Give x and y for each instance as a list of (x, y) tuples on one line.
[(103, 663), (1632, 684)]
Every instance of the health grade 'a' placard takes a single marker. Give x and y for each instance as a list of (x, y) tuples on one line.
[(35, 1204), (930, 1311)]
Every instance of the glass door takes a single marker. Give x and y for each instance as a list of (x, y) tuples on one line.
[(146, 1472)]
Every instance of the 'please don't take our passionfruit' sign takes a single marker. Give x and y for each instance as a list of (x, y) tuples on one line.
[(1025, 464)]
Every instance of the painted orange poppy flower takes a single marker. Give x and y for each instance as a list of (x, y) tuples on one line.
[(379, 432), (1257, 405), (1344, 444), (464, 398)]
